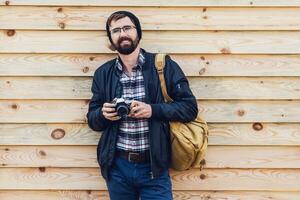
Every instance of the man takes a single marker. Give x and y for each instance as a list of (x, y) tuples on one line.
[(134, 150)]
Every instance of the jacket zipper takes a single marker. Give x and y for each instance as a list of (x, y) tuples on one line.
[(151, 172), (150, 122)]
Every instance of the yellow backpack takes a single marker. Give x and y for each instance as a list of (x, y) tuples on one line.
[(188, 140)]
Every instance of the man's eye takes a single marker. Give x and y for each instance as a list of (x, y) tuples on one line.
[(126, 28), (116, 30)]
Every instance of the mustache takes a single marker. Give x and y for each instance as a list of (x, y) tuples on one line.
[(124, 38)]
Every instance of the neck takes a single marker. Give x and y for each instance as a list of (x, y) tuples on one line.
[(129, 61)]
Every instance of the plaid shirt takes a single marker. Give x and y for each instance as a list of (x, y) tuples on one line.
[(133, 133)]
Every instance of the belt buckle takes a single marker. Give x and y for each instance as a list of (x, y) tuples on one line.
[(133, 157)]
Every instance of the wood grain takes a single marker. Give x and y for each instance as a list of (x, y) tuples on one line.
[(152, 18), (74, 111), (220, 134), (48, 134), (85, 156), (249, 111), (175, 3), (203, 88), (54, 195), (208, 179), (204, 65), (178, 195), (184, 42), (242, 61), (254, 134), (40, 111)]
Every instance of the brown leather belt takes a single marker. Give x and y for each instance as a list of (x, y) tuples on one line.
[(135, 157)]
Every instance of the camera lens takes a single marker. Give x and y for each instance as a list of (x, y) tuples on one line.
[(122, 110)]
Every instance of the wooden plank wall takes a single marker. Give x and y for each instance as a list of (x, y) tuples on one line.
[(242, 59)]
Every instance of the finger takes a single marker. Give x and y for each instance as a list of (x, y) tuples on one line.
[(112, 118), (109, 105), (112, 114), (131, 114), (140, 114), (115, 118), (135, 109), (134, 103), (108, 110)]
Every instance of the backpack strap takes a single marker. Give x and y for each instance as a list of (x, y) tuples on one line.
[(160, 60)]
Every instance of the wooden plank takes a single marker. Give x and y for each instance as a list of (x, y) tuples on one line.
[(203, 88), (51, 64), (40, 111), (178, 195), (245, 88), (186, 42), (48, 156), (174, 3), (53, 41), (249, 111), (45, 88), (238, 65), (85, 156), (48, 134), (254, 134), (94, 18), (248, 179), (234, 195), (191, 64), (252, 157), (74, 111), (81, 134), (51, 178), (53, 195), (207, 179)]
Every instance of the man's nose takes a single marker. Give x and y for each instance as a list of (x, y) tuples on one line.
[(122, 32)]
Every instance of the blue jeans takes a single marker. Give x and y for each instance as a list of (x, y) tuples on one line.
[(131, 181)]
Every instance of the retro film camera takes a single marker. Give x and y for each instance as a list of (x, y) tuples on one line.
[(122, 106)]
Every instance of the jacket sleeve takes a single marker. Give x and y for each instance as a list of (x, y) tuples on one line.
[(184, 106), (96, 120)]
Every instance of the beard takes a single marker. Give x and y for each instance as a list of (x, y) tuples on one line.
[(127, 48)]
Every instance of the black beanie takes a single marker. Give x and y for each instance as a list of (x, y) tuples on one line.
[(133, 18)]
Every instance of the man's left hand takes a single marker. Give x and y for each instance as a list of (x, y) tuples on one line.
[(140, 110)]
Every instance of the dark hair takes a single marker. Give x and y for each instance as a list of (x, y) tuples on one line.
[(119, 15)]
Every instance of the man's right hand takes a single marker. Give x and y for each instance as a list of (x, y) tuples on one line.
[(109, 112)]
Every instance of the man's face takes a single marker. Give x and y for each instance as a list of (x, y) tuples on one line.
[(124, 35)]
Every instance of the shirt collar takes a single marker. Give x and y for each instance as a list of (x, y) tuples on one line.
[(139, 64)]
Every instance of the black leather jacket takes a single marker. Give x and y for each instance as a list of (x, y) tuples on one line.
[(106, 86)]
